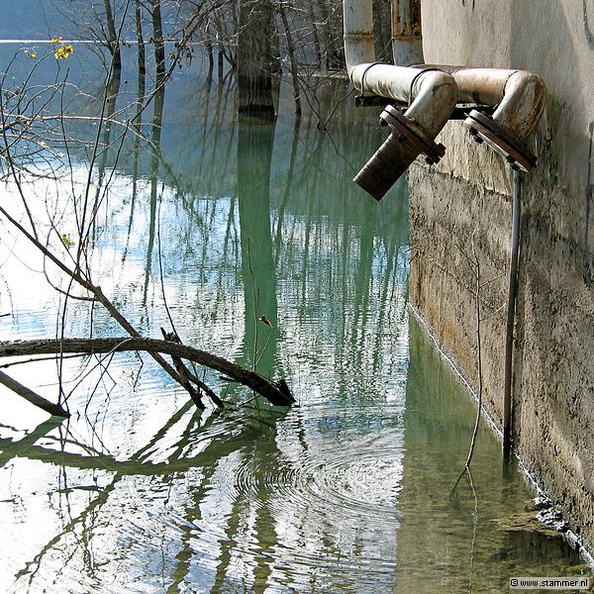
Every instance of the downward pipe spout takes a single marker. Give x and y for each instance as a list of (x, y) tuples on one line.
[(430, 94)]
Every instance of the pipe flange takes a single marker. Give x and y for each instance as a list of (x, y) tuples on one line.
[(407, 129), (485, 128)]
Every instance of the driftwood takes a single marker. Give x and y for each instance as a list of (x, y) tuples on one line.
[(278, 394)]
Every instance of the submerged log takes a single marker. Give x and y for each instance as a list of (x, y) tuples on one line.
[(277, 395)]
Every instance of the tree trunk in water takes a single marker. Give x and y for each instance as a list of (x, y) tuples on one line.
[(292, 60), (256, 58), (331, 32), (114, 44), (141, 63), (159, 43), (314, 31)]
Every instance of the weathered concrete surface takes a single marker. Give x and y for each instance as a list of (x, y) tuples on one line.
[(460, 215)]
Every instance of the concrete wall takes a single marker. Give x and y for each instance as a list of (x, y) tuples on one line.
[(461, 215)]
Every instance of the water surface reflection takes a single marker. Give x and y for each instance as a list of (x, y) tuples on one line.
[(225, 222)]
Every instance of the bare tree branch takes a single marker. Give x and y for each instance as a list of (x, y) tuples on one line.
[(277, 394), (32, 397)]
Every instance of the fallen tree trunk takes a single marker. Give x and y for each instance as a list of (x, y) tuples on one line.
[(277, 394)]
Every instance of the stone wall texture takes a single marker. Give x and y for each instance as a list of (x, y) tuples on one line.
[(460, 215)]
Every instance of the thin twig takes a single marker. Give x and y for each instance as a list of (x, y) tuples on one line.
[(479, 363)]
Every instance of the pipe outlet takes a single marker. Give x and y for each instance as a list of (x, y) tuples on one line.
[(431, 95), (406, 142)]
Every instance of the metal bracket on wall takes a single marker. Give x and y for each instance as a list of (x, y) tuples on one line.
[(460, 111), (485, 128), (370, 101), (406, 129)]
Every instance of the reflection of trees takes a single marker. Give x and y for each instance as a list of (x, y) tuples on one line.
[(251, 441), (337, 254), (254, 153), (294, 214), (159, 99)]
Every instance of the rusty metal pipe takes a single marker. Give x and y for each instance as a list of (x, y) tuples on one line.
[(407, 41), (520, 96), (431, 95), (432, 92)]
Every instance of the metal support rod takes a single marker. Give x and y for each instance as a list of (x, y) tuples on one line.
[(511, 318)]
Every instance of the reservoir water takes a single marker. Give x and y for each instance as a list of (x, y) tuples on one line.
[(210, 224)]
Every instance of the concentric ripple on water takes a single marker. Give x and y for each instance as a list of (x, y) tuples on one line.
[(301, 500)]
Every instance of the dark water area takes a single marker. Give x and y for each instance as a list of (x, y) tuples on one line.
[(215, 222)]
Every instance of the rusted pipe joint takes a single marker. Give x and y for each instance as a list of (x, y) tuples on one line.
[(484, 128), (407, 141), (408, 130), (514, 120)]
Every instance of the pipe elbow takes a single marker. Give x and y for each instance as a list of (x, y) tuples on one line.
[(524, 100), (435, 95)]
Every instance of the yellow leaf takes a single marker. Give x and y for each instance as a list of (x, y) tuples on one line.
[(63, 52)]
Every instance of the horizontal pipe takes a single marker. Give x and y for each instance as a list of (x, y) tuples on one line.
[(520, 96)]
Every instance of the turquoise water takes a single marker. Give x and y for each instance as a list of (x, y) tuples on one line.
[(347, 491)]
